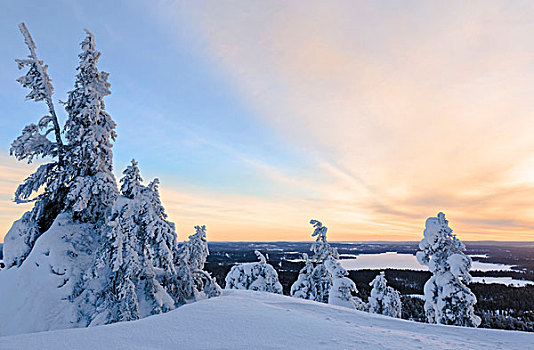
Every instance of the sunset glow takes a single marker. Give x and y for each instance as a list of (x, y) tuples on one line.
[(257, 117)]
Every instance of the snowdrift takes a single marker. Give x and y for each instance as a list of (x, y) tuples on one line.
[(257, 320), (34, 296)]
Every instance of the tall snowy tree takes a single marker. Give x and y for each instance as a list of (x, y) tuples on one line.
[(89, 131), (34, 143), (447, 299), (384, 300), (80, 179), (258, 276), (343, 288), (320, 279)]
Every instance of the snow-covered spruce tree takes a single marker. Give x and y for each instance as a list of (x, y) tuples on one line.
[(89, 131), (134, 264), (189, 282), (392, 303), (303, 286), (343, 288), (384, 300), (195, 251), (258, 276), (79, 182), (139, 269), (191, 257), (34, 143), (320, 279), (447, 299)]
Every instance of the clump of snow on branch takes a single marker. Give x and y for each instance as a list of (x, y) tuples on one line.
[(258, 276), (447, 299)]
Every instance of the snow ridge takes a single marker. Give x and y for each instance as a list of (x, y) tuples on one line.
[(269, 321)]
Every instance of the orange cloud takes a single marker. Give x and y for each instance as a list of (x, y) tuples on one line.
[(12, 173)]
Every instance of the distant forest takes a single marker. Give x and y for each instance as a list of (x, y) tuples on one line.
[(499, 306)]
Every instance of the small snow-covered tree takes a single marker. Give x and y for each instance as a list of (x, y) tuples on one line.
[(258, 276), (191, 256), (195, 251), (89, 130), (447, 299), (322, 279), (343, 288), (140, 269), (319, 279), (119, 262), (303, 286), (159, 233), (392, 303), (135, 258), (384, 300)]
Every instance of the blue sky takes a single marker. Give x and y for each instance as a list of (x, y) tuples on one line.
[(171, 105), (258, 116)]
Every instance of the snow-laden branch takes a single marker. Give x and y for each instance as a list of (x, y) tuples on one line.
[(38, 80)]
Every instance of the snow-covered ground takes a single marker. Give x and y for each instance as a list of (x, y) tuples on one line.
[(257, 320), (33, 297)]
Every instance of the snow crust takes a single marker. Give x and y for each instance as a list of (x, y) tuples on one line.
[(256, 320)]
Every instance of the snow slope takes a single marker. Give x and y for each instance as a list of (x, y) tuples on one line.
[(33, 296), (257, 320)]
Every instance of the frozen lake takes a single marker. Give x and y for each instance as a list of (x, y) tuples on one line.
[(393, 260), (509, 281), (397, 261)]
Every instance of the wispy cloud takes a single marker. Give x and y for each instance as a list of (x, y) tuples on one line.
[(410, 108), (370, 116)]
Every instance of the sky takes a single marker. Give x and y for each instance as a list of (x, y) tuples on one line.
[(258, 116)]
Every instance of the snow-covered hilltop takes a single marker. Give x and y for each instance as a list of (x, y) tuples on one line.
[(258, 320)]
